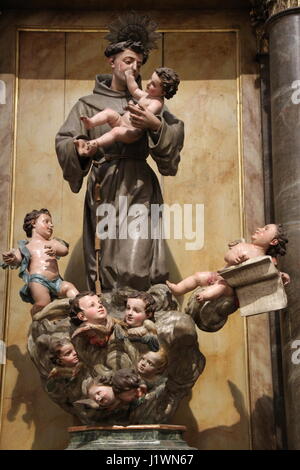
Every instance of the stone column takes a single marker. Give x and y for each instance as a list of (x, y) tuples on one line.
[(283, 28)]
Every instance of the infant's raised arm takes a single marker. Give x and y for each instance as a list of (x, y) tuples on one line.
[(132, 85)]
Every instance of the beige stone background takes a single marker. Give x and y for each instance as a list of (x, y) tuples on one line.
[(56, 59)]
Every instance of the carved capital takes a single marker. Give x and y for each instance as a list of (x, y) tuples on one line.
[(276, 6), (260, 12), (263, 9)]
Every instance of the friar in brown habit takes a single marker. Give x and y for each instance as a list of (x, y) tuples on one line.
[(132, 249)]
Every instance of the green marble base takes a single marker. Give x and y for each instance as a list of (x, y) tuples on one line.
[(137, 437)]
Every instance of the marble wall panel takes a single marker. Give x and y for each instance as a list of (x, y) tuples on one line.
[(84, 54), (40, 87), (38, 183), (258, 326), (209, 170), (209, 174), (7, 76), (7, 45), (6, 142)]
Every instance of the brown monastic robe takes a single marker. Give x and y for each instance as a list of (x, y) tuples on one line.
[(124, 261)]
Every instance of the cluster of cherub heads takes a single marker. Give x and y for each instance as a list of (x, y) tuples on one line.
[(125, 385)]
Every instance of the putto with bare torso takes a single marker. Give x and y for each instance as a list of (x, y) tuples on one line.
[(37, 259)]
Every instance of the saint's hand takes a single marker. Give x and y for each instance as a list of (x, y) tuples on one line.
[(142, 118), (84, 149)]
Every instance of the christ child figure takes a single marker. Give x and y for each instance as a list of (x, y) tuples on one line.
[(163, 84)]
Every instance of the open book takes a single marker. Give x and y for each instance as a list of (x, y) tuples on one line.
[(258, 285)]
